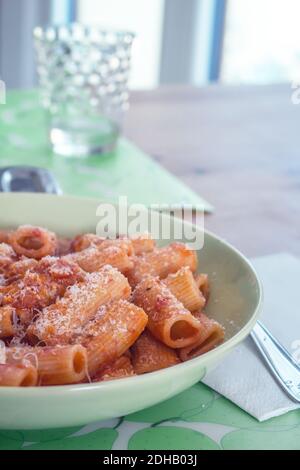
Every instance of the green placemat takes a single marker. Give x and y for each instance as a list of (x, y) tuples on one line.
[(127, 171), (197, 419)]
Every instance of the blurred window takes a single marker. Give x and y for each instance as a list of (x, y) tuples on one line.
[(261, 42), (145, 18), (177, 41)]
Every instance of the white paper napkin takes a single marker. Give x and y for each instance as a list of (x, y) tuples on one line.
[(243, 376)]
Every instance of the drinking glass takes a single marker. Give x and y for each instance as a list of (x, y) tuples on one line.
[(83, 74)]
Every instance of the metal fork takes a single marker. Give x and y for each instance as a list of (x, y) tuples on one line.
[(282, 365)]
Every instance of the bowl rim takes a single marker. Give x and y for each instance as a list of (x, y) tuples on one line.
[(238, 337)]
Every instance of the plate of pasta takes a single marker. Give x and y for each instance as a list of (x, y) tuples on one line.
[(93, 327)]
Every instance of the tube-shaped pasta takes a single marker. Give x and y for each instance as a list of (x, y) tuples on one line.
[(149, 354), (182, 284), (203, 284), (81, 242), (161, 262), (55, 365), (114, 329), (7, 257), (137, 244), (59, 322), (124, 244), (93, 258), (7, 327), (4, 236), (64, 246), (212, 334), (169, 321), (119, 369), (33, 242), (17, 376), (40, 286), (142, 244), (19, 268)]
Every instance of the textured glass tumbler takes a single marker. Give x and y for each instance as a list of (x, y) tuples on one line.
[(83, 75)]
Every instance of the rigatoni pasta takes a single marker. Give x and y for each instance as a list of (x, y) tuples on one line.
[(33, 242), (119, 369), (17, 376), (212, 334), (7, 327), (161, 262), (4, 236), (7, 257), (60, 322), (94, 257), (203, 284), (142, 244), (91, 309), (81, 242), (169, 321), (40, 285), (84, 241), (111, 333), (55, 365), (149, 354), (138, 244), (18, 269), (183, 285)]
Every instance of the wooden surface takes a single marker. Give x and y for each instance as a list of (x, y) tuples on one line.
[(239, 147)]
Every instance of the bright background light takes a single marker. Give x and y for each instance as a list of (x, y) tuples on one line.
[(262, 41), (143, 18)]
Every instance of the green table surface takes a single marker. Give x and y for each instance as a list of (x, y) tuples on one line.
[(197, 418), (127, 171)]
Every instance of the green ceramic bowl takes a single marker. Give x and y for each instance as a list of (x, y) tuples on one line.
[(235, 301)]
